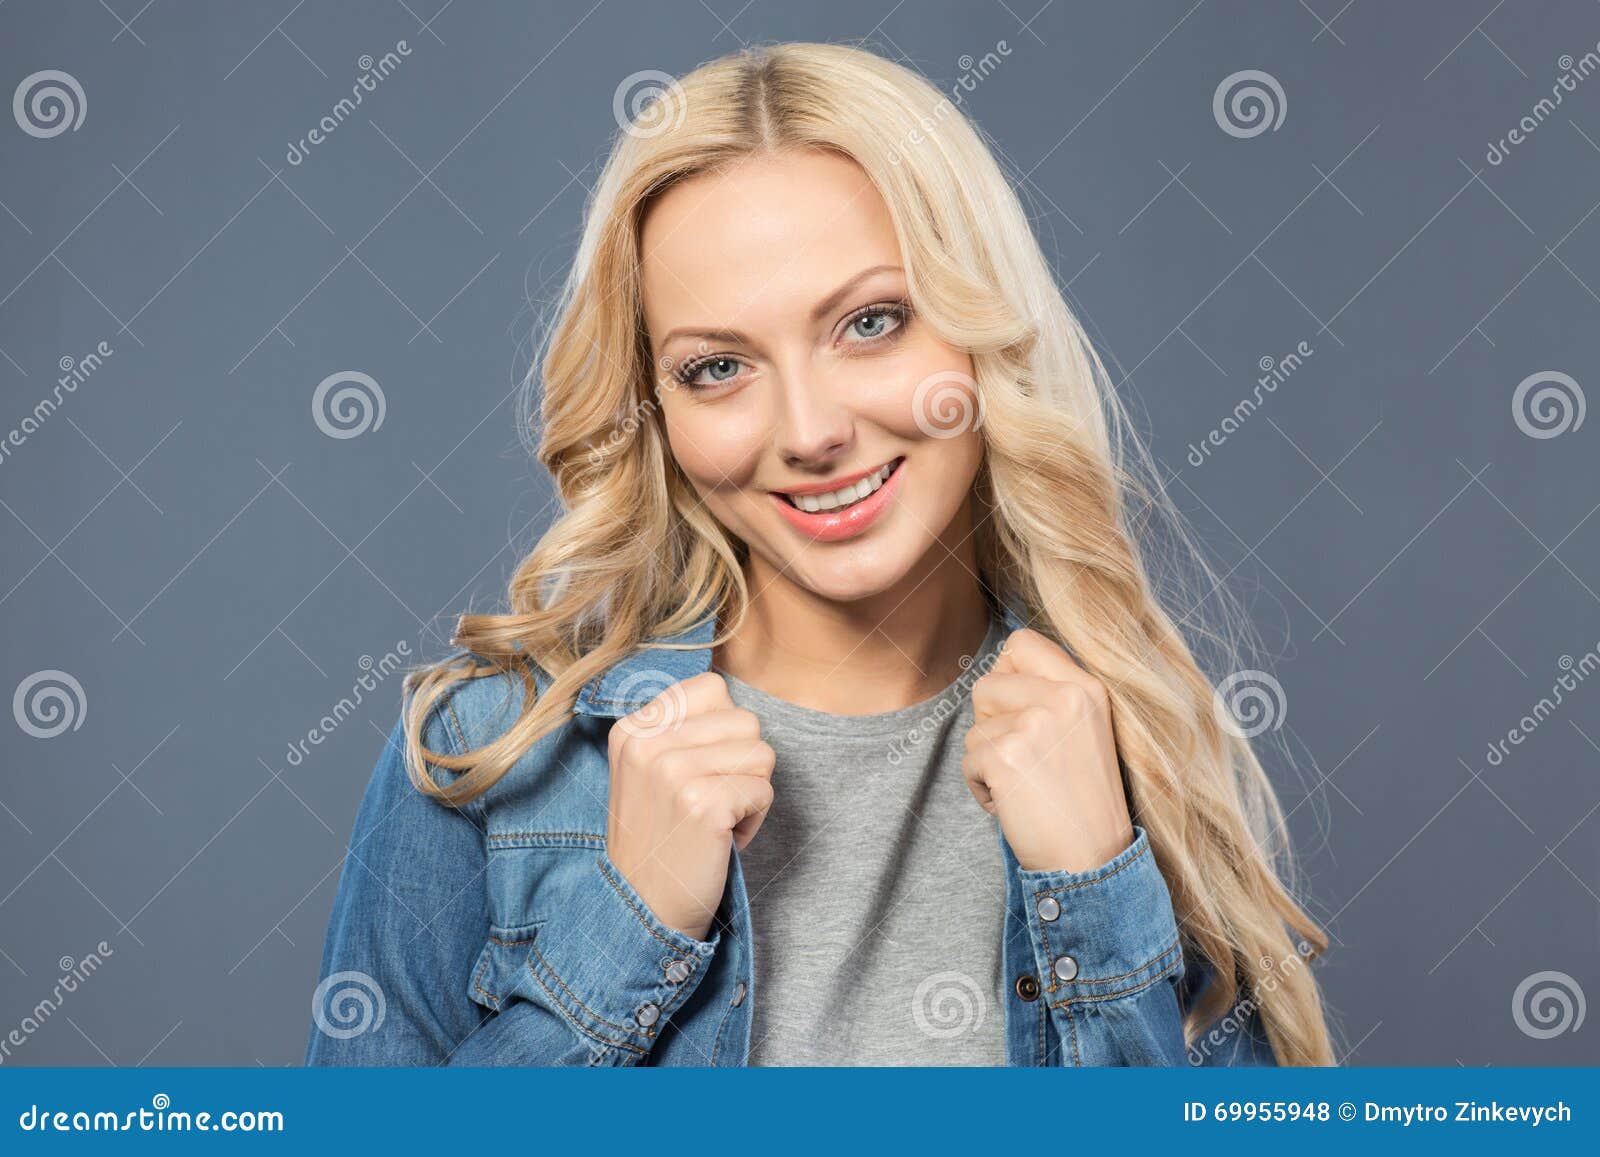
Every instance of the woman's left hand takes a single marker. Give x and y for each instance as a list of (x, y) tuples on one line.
[(1042, 757)]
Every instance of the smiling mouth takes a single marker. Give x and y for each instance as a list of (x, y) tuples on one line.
[(845, 496)]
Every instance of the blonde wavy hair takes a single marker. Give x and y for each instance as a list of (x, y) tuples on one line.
[(634, 557)]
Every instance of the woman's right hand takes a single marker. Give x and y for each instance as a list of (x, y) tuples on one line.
[(689, 773)]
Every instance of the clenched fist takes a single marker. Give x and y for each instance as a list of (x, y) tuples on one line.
[(1042, 757), (690, 774)]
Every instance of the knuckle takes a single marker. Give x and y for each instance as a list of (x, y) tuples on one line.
[(1014, 749), (1074, 699), (765, 757)]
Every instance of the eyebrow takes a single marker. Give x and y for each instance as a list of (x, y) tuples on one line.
[(824, 307)]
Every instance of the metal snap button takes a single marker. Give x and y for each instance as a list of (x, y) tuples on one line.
[(738, 994), (677, 971), (647, 1015), (1028, 987), (1066, 968), (1049, 907)]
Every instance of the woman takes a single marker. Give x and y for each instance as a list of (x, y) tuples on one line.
[(834, 720)]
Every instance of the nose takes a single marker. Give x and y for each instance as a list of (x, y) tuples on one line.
[(814, 428)]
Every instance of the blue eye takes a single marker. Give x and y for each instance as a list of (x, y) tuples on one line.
[(877, 322), (720, 369)]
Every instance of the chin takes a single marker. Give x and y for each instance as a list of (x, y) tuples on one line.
[(849, 572)]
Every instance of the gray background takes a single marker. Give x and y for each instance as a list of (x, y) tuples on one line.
[(183, 539)]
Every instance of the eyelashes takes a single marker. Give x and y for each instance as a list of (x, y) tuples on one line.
[(899, 311)]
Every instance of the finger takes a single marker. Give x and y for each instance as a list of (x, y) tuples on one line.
[(725, 757), (974, 775), (674, 704), (713, 727), (738, 802), (1005, 692), (1026, 651)]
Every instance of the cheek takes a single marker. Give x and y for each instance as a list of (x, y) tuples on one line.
[(934, 404), (717, 447)]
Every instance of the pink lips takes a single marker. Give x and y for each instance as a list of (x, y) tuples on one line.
[(836, 525)]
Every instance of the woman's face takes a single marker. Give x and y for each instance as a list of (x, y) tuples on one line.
[(789, 369)]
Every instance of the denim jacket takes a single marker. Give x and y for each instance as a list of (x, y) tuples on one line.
[(501, 933)]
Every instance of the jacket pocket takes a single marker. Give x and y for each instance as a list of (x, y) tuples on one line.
[(502, 963)]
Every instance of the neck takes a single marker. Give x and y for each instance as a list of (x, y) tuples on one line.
[(866, 656)]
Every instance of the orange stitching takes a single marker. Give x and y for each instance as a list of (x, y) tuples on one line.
[(620, 1028), (1098, 879), (1171, 944), (1122, 992), (640, 915), (482, 968), (545, 835), (573, 1021), (1043, 1017), (510, 943), (1072, 1023), (461, 732)]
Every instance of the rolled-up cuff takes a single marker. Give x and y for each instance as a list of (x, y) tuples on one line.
[(612, 969), (1103, 933)]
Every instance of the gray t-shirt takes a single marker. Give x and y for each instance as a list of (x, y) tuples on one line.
[(877, 888)]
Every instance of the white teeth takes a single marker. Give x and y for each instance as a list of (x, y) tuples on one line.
[(844, 496)]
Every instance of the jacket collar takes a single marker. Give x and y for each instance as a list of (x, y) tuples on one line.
[(633, 681)]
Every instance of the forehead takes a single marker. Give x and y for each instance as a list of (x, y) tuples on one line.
[(757, 242)]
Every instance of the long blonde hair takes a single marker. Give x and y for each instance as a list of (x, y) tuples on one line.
[(634, 557)]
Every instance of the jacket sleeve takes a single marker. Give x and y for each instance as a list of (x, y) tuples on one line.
[(1113, 972), (419, 968), (408, 921)]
